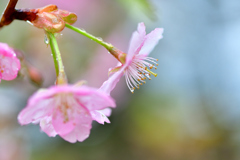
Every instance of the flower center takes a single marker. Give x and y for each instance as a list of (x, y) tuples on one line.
[(2, 66), (139, 70), (65, 105)]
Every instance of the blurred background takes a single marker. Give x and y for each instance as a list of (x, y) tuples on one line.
[(191, 111)]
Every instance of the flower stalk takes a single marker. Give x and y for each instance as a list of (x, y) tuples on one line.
[(108, 46), (60, 73)]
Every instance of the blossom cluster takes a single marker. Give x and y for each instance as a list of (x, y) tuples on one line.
[(68, 110)]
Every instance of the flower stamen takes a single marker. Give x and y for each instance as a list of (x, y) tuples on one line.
[(138, 71)]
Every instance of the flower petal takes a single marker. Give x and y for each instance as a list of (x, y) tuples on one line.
[(151, 40), (5, 50), (92, 99), (110, 84), (10, 67), (35, 111), (81, 130), (99, 117), (113, 70), (107, 111), (136, 40), (47, 127), (61, 125), (39, 105), (10, 64)]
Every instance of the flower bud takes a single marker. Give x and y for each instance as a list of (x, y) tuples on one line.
[(67, 16), (50, 22), (48, 8), (52, 19), (34, 75)]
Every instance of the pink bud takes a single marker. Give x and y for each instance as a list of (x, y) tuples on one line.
[(67, 16), (48, 8), (49, 21)]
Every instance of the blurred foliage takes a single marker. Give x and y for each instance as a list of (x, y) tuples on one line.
[(138, 6)]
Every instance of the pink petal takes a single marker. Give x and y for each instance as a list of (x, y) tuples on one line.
[(136, 40), (151, 40), (113, 70), (81, 131), (107, 111), (35, 111), (99, 117), (93, 99), (10, 67), (110, 84), (5, 50), (60, 125), (39, 105), (47, 127)]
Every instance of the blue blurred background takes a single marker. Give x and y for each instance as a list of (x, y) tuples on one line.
[(191, 111)]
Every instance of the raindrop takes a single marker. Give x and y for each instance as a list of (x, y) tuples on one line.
[(46, 40), (82, 30), (99, 38)]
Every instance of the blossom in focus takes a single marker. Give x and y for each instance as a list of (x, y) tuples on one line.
[(9, 63), (67, 110), (136, 64)]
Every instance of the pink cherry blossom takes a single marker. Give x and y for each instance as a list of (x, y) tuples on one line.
[(66, 110), (9, 63), (135, 64)]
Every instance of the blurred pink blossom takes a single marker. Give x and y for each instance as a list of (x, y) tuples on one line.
[(135, 63), (9, 63), (67, 110)]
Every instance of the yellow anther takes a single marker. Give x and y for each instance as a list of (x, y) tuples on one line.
[(155, 74)]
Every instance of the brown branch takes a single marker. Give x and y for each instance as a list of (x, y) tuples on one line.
[(7, 17), (25, 14), (11, 13)]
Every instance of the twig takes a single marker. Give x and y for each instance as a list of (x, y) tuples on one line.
[(11, 13), (7, 16)]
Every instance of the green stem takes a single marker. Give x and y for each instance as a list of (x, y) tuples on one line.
[(56, 54), (108, 46)]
